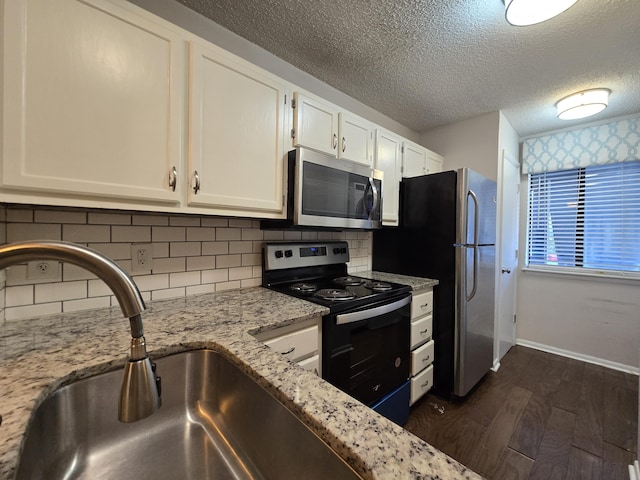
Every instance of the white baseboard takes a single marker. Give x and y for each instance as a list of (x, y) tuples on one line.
[(634, 471), (579, 356)]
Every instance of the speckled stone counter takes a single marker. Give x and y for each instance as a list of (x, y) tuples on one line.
[(39, 355), (416, 283)]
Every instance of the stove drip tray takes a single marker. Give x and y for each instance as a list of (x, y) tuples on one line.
[(377, 286), (337, 294), (303, 287), (348, 281)]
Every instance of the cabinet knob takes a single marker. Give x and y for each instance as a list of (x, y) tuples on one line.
[(196, 182), (173, 179)]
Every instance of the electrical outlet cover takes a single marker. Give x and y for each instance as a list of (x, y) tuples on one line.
[(43, 270), (141, 258)]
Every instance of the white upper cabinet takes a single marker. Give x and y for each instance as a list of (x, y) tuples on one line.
[(355, 139), (315, 124), (324, 127), (388, 158), (92, 99), (237, 134), (417, 160)]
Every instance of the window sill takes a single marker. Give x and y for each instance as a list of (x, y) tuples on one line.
[(630, 278)]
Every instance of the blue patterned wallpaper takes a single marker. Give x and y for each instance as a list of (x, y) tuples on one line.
[(597, 145)]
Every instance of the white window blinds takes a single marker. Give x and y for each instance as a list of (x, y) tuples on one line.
[(587, 218)]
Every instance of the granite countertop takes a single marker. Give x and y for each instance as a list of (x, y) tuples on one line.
[(42, 354)]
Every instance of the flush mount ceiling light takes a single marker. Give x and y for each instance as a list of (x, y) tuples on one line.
[(583, 104), (529, 12)]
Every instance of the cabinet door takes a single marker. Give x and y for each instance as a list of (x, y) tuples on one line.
[(236, 142), (388, 159), (315, 125), (434, 162), (92, 98), (414, 160), (356, 139)]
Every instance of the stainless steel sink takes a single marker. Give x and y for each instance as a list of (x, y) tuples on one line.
[(215, 423)]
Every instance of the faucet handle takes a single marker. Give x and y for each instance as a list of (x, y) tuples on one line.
[(158, 379)]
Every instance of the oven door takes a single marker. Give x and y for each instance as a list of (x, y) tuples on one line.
[(365, 353), (331, 193)]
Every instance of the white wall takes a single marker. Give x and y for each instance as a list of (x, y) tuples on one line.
[(470, 143), (593, 319)]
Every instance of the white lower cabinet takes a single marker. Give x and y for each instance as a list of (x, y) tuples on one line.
[(422, 345), (299, 343), (421, 384)]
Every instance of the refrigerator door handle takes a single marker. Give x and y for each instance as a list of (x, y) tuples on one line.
[(476, 219), (474, 245)]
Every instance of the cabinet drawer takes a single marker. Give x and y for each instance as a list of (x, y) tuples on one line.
[(422, 304), (421, 330), (422, 357), (421, 384), (312, 364), (296, 345)]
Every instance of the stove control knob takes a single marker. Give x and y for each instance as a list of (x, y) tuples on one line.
[(278, 253), (336, 250), (343, 250), (288, 253)]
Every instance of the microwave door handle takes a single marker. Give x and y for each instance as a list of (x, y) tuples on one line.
[(376, 198)]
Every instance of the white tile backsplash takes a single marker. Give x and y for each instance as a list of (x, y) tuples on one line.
[(191, 255)]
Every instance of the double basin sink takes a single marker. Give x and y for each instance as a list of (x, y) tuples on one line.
[(215, 422)]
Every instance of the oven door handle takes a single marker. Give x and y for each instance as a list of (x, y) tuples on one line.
[(343, 318)]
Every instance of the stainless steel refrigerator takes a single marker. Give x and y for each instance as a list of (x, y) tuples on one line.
[(447, 232)]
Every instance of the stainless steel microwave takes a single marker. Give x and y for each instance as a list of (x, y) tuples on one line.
[(326, 192)]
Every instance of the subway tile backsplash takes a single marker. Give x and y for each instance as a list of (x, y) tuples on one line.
[(191, 255)]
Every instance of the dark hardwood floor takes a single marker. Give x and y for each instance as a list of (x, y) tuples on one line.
[(540, 417)]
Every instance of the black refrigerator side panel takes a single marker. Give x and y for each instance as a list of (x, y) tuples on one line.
[(423, 246)]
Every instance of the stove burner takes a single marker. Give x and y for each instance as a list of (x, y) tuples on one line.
[(303, 287), (334, 294), (348, 281), (377, 286)]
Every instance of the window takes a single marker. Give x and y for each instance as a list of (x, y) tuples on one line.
[(587, 218)]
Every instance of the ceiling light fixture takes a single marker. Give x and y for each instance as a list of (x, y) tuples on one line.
[(530, 12), (583, 104)]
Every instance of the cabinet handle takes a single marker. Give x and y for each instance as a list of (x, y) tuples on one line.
[(291, 350), (344, 144), (424, 306), (424, 385), (426, 359), (173, 179), (424, 331), (334, 144), (196, 182)]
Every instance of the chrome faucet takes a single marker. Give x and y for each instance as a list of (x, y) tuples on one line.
[(140, 391)]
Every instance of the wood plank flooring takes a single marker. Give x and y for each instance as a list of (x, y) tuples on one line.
[(540, 417)]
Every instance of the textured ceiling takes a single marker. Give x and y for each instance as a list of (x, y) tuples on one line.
[(427, 63)]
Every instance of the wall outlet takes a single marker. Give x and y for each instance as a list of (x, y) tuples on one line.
[(43, 270), (141, 258)]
